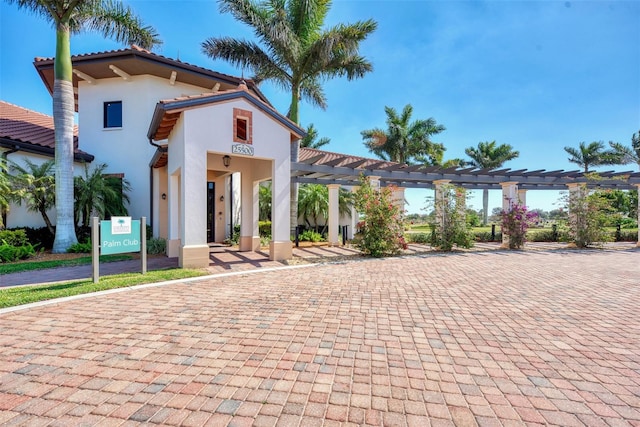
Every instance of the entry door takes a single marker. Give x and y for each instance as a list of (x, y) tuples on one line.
[(211, 211)]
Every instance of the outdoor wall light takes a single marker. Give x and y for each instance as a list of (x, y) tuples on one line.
[(222, 198), (226, 161), (164, 196)]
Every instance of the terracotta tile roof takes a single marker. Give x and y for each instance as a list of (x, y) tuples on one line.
[(31, 128)]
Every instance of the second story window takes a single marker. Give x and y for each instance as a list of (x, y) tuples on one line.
[(113, 114), (242, 126)]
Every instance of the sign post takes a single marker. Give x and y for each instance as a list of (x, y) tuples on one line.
[(119, 235)]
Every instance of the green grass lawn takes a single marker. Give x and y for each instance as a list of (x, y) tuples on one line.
[(11, 297)]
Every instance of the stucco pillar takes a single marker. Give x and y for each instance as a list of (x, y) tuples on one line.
[(398, 198), (355, 216), (249, 233), (522, 196), (194, 251), (439, 200), (509, 196), (461, 203), (280, 247), (173, 216), (375, 182), (638, 244), (334, 214)]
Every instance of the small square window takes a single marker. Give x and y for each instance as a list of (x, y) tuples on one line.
[(113, 114)]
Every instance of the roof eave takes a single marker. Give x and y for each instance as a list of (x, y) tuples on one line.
[(39, 149)]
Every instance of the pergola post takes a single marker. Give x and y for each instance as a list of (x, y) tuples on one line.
[(638, 186), (355, 216), (249, 233), (509, 196), (334, 214), (522, 196), (440, 200)]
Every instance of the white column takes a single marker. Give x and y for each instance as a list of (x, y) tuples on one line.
[(280, 246), (522, 196), (375, 182), (173, 198), (249, 234), (461, 203), (509, 196), (194, 250), (638, 244), (398, 198), (334, 214), (439, 200), (355, 216)]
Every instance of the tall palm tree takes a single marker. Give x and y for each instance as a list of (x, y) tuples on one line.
[(311, 139), (628, 154), (489, 155), (314, 203), (113, 20), (100, 194), (296, 53), (405, 141), (593, 154), (5, 190), (34, 184)]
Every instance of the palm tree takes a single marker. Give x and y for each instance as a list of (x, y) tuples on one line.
[(296, 53), (5, 190), (264, 201), (489, 155), (628, 154), (99, 194), (405, 141), (314, 203), (113, 20), (35, 185), (311, 139), (593, 154)]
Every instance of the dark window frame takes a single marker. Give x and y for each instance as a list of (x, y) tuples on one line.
[(109, 117)]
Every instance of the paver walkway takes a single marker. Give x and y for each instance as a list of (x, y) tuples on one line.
[(484, 338)]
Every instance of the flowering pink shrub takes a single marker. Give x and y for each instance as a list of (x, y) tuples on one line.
[(515, 224)]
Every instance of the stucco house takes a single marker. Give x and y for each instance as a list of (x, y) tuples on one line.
[(194, 144)]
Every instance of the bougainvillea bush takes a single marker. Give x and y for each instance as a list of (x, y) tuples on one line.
[(381, 229), (515, 223)]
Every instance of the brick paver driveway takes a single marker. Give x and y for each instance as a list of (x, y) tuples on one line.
[(480, 338)]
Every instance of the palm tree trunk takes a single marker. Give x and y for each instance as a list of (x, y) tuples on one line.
[(485, 206), (63, 113), (295, 151)]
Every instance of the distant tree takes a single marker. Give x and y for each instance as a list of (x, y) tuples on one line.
[(35, 185), (489, 155), (311, 140), (593, 154), (628, 154), (113, 20), (558, 214), (473, 219), (405, 141), (99, 194)]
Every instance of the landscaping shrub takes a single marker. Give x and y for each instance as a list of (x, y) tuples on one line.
[(628, 236), (589, 214), (156, 246), (542, 236), (450, 226), (420, 238), (310, 236), (39, 237), (14, 237), (485, 236), (264, 228), (10, 253), (381, 232), (80, 248)]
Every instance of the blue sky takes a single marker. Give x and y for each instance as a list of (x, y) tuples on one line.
[(539, 75)]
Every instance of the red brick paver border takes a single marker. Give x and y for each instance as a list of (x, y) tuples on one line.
[(507, 338)]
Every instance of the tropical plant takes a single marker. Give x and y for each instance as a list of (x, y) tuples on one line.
[(381, 231), (113, 20), (35, 185), (628, 154), (589, 213), (311, 139), (593, 154), (313, 203), (449, 227), (297, 54), (489, 155), (99, 194), (405, 141), (515, 222), (5, 189), (264, 201)]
